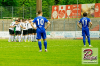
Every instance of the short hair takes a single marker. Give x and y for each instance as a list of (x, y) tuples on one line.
[(18, 19), (29, 19), (39, 12), (84, 14), (23, 20)]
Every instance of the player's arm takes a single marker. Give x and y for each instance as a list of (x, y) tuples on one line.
[(12, 26), (48, 24), (33, 26), (90, 24), (79, 25), (22, 27)]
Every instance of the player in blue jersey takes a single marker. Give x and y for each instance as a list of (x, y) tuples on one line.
[(85, 28), (40, 30)]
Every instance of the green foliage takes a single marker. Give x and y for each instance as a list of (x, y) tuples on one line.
[(30, 6)]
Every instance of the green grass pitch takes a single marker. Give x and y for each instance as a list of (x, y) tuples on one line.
[(61, 52)]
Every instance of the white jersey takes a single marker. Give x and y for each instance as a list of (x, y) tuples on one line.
[(12, 24), (18, 28), (34, 25), (25, 24), (29, 25)]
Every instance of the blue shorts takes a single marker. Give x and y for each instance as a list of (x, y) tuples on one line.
[(85, 31), (41, 33)]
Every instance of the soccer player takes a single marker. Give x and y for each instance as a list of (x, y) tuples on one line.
[(40, 30), (34, 33), (85, 28), (11, 31), (25, 31), (18, 30), (29, 30)]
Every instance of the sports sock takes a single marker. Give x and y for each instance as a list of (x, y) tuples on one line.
[(33, 37), (28, 37), (45, 44), (9, 37), (19, 38), (84, 40), (15, 37), (25, 38), (39, 43), (88, 39), (12, 37)]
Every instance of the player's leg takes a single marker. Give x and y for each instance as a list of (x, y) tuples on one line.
[(88, 36), (19, 36), (12, 38), (83, 34), (25, 35), (16, 33), (35, 36), (9, 35), (44, 39), (34, 31), (40, 44), (31, 36), (39, 39), (28, 34)]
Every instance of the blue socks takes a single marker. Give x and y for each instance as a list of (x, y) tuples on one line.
[(40, 45), (88, 40), (84, 40), (45, 44)]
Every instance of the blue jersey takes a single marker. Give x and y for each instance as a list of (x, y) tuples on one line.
[(40, 22), (85, 22)]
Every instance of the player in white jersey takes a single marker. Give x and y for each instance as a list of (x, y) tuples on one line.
[(25, 31), (18, 30), (11, 31), (29, 30), (34, 33)]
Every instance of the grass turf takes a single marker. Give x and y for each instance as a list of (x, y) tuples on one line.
[(61, 52)]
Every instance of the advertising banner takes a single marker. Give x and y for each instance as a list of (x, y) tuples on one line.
[(55, 12), (74, 13), (61, 11), (97, 10), (69, 11), (88, 8)]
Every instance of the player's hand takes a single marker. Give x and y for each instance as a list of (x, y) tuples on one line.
[(35, 28), (24, 28), (80, 28), (45, 28)]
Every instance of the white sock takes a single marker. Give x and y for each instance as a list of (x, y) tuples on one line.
[(25, 38), (15, 38), (9, 37), (28, 37), (33, 37), (19, 38)]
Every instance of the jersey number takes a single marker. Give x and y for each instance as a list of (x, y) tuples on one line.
[(84, 22), (40, 22)]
